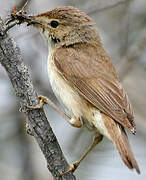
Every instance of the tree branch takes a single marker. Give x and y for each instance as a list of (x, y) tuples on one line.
[(19, 75)]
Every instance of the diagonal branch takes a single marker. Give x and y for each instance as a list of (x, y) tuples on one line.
[(19, 75)]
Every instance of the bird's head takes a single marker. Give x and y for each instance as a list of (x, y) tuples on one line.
[(65, 25)]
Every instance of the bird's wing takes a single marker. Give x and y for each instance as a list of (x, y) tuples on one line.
[(96, 80)]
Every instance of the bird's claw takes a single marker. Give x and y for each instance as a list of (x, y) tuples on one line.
[(42, 101), (72, 168)]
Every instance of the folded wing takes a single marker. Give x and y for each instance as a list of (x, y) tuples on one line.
[(96, 80)]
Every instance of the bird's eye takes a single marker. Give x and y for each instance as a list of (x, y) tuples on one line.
[(54, 24)]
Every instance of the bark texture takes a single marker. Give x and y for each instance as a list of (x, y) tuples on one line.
[(19, 75)]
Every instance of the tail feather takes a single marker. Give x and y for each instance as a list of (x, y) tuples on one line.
[(120, 139), (125, 151)]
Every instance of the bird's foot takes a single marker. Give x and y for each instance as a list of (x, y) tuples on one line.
[(72, 168), (42, 100)]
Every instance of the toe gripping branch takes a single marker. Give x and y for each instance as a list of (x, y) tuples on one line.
[(42, 100)]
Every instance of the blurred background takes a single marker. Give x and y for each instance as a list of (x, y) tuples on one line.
[(121, 24)]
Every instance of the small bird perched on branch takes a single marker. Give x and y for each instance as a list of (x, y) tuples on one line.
[(84, 79)]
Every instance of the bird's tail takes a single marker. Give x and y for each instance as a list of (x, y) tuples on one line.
[(125, 151), (120, 139)]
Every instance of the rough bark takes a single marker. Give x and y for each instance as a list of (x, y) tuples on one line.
[(19, 75)]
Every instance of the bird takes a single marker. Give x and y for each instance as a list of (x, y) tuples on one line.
[(84, 79)]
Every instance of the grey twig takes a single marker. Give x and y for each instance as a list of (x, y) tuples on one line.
[(19, 76)]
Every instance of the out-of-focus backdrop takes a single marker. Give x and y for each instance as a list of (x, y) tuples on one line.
[(121, 24)]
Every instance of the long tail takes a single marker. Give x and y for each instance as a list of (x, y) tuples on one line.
[(125, 151), (120, 139)]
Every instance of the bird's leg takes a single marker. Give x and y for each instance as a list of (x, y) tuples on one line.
[(74, 166), (76, 122)]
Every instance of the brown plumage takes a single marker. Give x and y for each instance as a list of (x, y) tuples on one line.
[(90, 71), (84, 79), (121, 142), (68, 15), (95, 78)]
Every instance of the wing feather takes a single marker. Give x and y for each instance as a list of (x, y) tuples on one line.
[(96, 80)]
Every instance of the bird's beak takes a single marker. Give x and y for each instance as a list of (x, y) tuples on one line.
[(31, 20)]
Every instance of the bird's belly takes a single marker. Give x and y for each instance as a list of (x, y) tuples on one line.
[(98, 122), (73, 103)]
